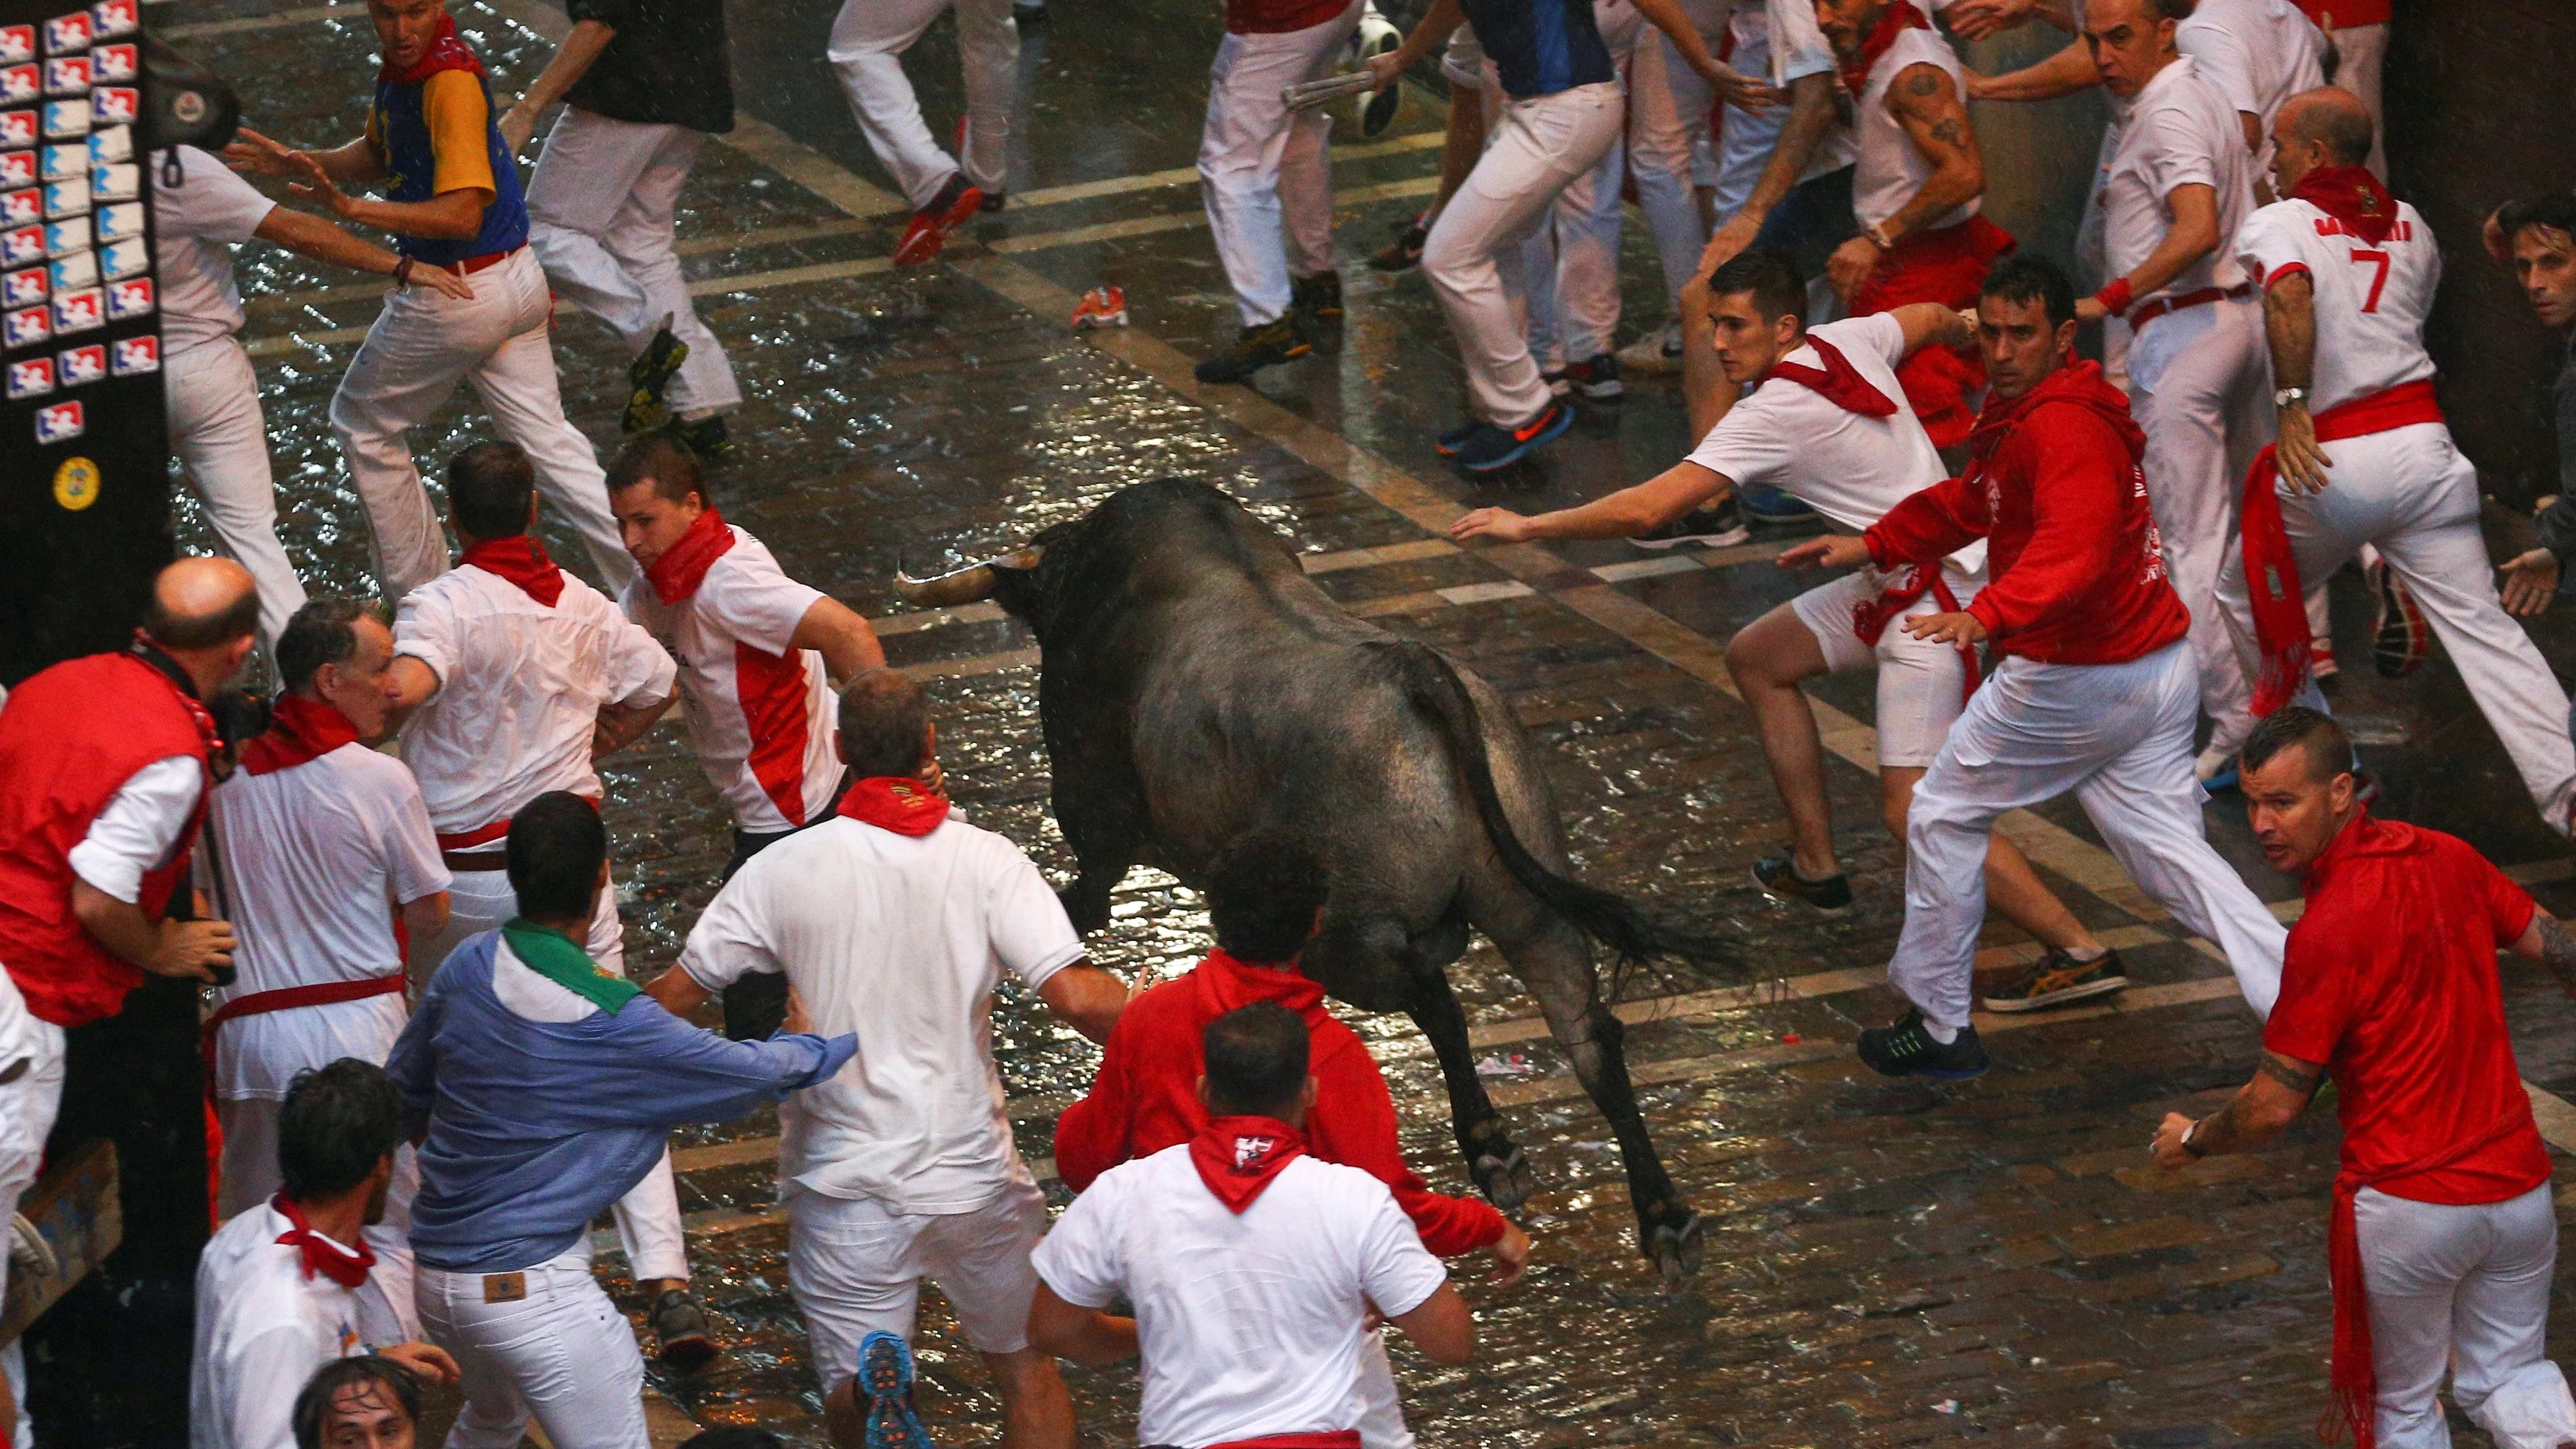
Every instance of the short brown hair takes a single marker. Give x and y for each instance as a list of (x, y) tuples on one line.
[(662, 461), (2328, 748), (885, 721)]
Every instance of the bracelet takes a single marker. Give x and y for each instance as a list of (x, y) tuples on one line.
[(1876, 235), (402, 272), (2187, 1135), (2115, 297)]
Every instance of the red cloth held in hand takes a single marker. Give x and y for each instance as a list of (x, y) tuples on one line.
[(1947, 266)]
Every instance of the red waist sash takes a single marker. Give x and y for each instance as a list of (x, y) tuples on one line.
[(486, 834), (289, 998), (1871, 617)]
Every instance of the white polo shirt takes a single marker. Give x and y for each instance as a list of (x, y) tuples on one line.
[(1892, 167), (195, 226), (760, 713), (317, 857), (2258, 54), (2180, 131), (901, 940), (1850, 468), (1799, 48), (520, 689), (1246, 1325), (139, 826), (2370, 301), (263, 1328)]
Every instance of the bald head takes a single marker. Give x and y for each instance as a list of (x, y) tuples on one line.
[(2334, 117), (202, 603)]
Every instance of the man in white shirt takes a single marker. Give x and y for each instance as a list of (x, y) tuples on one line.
[(277, 1286), (2174, 194), (757, 654), (212, 397), (513, 677), (1826, 422), (1253, 1269), (2365, 457), (896, 922), (321, 845)]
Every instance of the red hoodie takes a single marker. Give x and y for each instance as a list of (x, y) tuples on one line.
[(2076, 574), (1146, 1095)]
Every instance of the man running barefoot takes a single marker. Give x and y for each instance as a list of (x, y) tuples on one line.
[(1826, 421)]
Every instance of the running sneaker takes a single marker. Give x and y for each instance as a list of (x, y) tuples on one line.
[(1717, 526), (1254, 349), (2321, 660), (680, 1327), (649, 379), (1657, 354), (1596, 377), (1318, 296), (2399, 635), (1491, 448), (1763, 503), (1778, 876), (2216, 770), (704, 436), (1448, 443), (1405, 252), (928, 231), (2056, 979), (885, 1377), (1908, 1050)]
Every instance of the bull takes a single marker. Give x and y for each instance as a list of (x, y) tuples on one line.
[(1194, 685)]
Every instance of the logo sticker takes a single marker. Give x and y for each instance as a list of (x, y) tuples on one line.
[(119, 260), (115, 105), (116, 223), (31, 378), (67, 75), (76, 482), (62, 163), (83, 364), (80, 311), (17, 42), (66, 198), (27, 328), (21, 245), (116, 183), (136, 354), (129, 299), (116, 143), (19, 83), (67, 118), (115, 17), (77, 270), (23, 289), (66, 33), (60, 424), (17, 208), (18, 129), (62, 238), (114, 63)]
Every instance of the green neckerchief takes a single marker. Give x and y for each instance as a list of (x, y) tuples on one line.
[(551, 954)]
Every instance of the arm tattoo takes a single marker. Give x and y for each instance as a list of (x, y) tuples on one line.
[(2224, 1129), (2290, 1073), (2557, 948), (1930, 83), (1949, 132)]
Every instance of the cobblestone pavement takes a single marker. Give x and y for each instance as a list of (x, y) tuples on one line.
[(1887, 1263)]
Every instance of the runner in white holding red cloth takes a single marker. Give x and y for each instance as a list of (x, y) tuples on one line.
[(2365, 458), (2443, 1238)]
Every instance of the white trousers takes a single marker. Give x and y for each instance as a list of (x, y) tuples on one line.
[(27, 1107), (2200, 383), (212, 400), (563, 1353), (1472, 258), (2409, 492), (2119, 736), (1381, 1407), (648, 1217), (855, 1267), (422, 345), (250, 1176), (2364, 50), (600, 219), (869, 38), (2463, 1289), (1262, 169)]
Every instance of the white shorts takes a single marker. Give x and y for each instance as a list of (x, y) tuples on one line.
[(1921, 686), (856, 1265)]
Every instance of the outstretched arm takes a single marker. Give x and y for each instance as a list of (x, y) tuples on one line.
[(310, 236), (2281, 1089), (1431, 32), (2062, 74), (1625, 514), (1811, 115), (572, 61), (1731, 86)]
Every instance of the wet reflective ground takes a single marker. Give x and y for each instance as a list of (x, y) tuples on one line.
[(1886, 1263)]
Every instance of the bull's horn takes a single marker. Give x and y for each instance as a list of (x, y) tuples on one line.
[(961, 586)]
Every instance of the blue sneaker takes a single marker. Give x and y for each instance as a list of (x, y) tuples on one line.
[(2216, 771), (1451, 441), (1490, 448), (885, 1376), (1763, 503)]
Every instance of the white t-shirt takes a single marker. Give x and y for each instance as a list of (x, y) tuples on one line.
[(195, 226), (317, 857), (2180, 131), (1798, 49), (139, 826), (760, 713), (520, 688), (2258, 54), (1246, 1325), (901, 940), (1850, 468), (263, 1328), (1892, 167), (2370, 302)]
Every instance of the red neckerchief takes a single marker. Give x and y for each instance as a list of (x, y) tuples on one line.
[(321, 1255), (446, 52), (894, 802), (1837, 382), (1893, 21), (679, 571), (1238, 1156), (2351, 195), (299, 729), (523, 561)]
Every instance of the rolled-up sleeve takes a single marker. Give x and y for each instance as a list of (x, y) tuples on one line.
[(141, 824)]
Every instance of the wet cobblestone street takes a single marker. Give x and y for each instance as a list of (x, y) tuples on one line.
[(1887, 1263)]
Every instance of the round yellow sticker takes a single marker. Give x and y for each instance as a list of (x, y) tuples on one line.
[(76, 484)]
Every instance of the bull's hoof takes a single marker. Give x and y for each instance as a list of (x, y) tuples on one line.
[(1675, 1250), (1506, 1181)]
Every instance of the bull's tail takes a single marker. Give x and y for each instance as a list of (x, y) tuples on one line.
[(1432, 684)]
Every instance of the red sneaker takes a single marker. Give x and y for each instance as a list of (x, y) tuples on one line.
[(956, 203)]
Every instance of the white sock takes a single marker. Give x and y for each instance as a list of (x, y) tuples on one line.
[(2088, 954), (1942, 1034)]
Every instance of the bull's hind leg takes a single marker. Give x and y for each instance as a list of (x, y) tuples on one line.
[(1501, 1171), (1555, 963)]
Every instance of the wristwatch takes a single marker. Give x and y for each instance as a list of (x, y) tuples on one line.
[(2186, 1141), (2283, 397)]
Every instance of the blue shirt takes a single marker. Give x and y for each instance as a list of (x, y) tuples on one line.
[(1541, 46), (536, 1127), (442, 134)]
